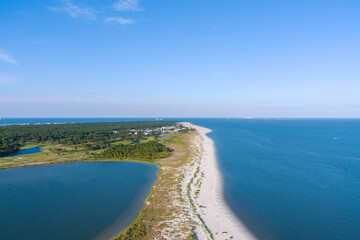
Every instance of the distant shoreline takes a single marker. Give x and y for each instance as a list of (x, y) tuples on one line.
[(219, 220)]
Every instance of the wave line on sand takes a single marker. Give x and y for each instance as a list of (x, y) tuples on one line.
[(202, 186)]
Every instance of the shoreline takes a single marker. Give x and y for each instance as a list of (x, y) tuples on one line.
[(191, 181), (206, 193)]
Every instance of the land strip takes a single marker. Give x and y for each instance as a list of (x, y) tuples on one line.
[(205, 192), (186, 202)]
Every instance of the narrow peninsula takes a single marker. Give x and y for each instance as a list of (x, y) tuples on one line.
[(186, 201)]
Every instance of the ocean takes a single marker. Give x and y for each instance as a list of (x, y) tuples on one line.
[(291, 179), (9, 121), (286, 179)]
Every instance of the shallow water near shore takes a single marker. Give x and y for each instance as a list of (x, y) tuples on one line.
[(73, 201), (291, 179)]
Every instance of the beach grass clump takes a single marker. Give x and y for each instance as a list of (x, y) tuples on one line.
[(165, 216), (137, 231), (191, 201)]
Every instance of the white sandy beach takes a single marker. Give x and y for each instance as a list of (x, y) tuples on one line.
[(204, 186)]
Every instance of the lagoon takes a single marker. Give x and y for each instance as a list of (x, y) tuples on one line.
[(25, 152), (92, 200)]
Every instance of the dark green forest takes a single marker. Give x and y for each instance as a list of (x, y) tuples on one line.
[(94, 135), (147, 150)]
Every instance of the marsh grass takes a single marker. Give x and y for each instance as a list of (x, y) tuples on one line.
[(164, 203)]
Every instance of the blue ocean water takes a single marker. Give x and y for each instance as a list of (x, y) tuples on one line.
[(288, 179), (72, 201), (291, 179), (9, 121), (25, 152)]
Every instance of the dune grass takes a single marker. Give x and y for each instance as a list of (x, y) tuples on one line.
[(163, 206)]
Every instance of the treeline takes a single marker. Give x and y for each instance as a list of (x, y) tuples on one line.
[(8, 146), (98, 135), (148, 150)]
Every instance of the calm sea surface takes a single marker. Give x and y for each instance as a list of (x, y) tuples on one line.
[(7, 121), (287, 179), (72, 201), (291, 179)]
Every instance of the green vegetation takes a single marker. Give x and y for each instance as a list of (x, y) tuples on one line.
[(8, 146), (66, 143), (147, 150), (188, 192), (158, 213), (92, 136)]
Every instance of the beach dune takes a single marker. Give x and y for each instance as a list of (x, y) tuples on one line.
[(219, 222)]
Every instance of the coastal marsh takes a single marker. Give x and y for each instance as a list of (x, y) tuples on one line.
[(59, 153), (165, 215), (171, 210)]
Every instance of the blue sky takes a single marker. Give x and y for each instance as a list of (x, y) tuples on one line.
[(145, 58)]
